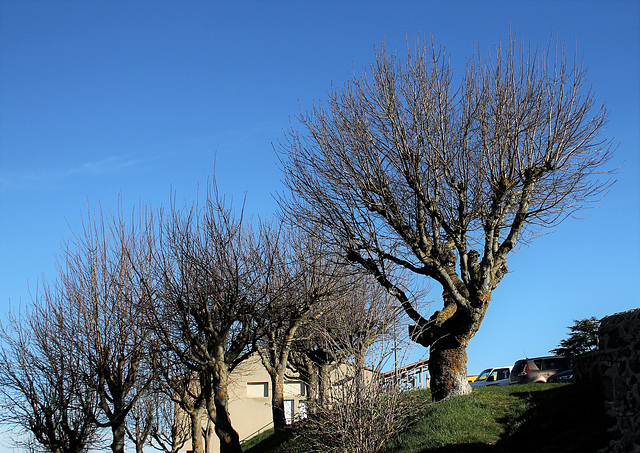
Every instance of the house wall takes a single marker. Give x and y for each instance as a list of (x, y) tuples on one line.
[(249, 408)]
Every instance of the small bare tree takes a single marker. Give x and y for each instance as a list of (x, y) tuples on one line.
[(41, 389), (181, 413), (308, 274), (101, 272), (312, 361), (360, 412), (170, 428), (403, 168), (140, 421)]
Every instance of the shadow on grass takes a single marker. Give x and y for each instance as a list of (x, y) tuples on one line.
[(567, 418), (560, 420)]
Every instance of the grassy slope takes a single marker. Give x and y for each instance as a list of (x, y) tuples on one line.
[(519, 418)]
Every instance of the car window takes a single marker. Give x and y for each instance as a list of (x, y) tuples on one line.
[(482, 376), (502, 373), (538, 363), (518, 366), (559, 364)]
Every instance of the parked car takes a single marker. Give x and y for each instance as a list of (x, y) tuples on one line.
[(538, 369), (493, 376), (563, 376)]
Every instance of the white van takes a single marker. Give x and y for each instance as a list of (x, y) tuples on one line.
[(493, 376)]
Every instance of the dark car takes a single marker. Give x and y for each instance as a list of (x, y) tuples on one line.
[(538, 369), (563, 376)]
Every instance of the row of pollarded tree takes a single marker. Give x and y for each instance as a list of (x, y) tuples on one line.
[(401, 172), (153, 313)]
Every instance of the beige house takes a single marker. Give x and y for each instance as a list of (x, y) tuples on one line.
[(250, 402)]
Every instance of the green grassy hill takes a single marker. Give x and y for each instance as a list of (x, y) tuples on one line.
[(519, 418)]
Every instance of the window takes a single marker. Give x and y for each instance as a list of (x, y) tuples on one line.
[(302, 410), (519, 367), (258, 389), (294, 388), (559, 364)]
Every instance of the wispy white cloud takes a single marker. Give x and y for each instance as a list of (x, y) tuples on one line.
[(37, 177)]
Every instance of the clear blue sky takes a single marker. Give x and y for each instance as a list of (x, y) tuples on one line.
[(99, 98)]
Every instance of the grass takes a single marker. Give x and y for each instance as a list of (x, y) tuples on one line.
[(522, 418)]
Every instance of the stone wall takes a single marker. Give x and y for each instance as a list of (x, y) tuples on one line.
[(615, 365)]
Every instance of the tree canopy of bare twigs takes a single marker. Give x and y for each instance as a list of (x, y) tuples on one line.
[(405, 167)]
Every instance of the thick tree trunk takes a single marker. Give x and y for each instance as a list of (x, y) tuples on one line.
[(359, 372), (447, 339), (119, 433), (277, 401), (312, 380), (448, 369)]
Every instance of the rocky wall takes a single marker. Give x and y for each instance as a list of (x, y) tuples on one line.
[(616, 365)]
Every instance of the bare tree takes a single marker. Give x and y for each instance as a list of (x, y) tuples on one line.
[(140, 421), (312, 361), (357, 314), (214, 271), (181, 409), (101, 271), (308, 274), (170, 428), (41, 391), (403, 168)]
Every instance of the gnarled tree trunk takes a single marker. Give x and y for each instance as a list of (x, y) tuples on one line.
[(447, 338), (448, 369), (229, 438)]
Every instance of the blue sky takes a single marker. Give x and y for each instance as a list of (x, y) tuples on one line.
[(102, 98)]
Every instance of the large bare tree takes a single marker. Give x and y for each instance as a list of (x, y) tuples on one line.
[(406, 167)]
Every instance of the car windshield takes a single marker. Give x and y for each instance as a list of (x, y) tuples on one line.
[(485, 374)]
